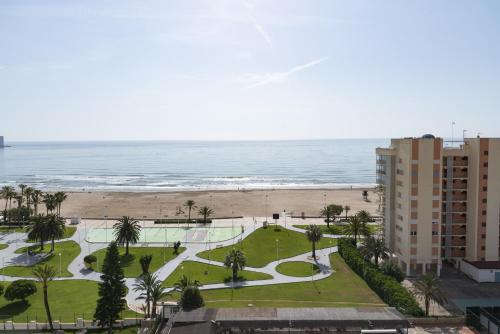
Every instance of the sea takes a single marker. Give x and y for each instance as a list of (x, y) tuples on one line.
[(190, 165)]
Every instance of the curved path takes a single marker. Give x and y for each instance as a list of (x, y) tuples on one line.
[(79, 272)]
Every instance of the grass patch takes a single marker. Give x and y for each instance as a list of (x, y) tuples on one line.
[(69, 231), (260, 246), (68, 300), (210, 274), (338, 229), (3, 246), (297, 268), (69, 251), (130, 263), (342, 289)]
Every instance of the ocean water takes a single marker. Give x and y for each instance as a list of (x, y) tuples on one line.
[(190, 165)]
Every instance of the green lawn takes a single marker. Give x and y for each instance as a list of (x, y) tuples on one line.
[(343, 288), (210, 274), (130, 263), (3, 246), (68, 300), (260, 246), (69, 251), (297, 268), (338, 229)]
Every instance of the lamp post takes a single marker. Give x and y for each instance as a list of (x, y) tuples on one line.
[(277, 252), (106, 222), (284, 214), (324, 199), (266, 207), (60, 267), (143, 228)]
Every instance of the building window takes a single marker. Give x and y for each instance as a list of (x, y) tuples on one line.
[(485, 164), (485, 188), (485, 152), (485, 177), (485, 200), (483, 236), (483, 224), (434, 233), (484, 212), (413, 232), (483, 248)]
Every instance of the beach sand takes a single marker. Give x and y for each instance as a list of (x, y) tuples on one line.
[(225, 203)]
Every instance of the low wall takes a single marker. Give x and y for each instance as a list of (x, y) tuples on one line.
[(438, 321)]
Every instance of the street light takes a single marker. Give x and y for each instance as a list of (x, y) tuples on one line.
[(106, 222), (277, 253), (266, 207), (60, 267), (143, 228)]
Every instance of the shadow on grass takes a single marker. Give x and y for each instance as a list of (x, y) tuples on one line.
[(239, 279), (13, 309), (126, 260)]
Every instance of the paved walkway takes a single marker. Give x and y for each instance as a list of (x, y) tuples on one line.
[(79, 272)]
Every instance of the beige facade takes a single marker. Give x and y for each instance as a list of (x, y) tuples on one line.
[(441, 203)]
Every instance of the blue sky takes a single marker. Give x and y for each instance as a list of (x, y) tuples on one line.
[(86, 70)]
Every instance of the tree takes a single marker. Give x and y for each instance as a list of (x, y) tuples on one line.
[(177, 244), (20, 289), (314, 235), (89, 260), (347, 208), (429, 288), (355, 228), (59, 198), (145, 284), (111, 291), (375, 248), (50, 202), (22, 187), (8, 193), (391, 268), (54, 228), (364, 216), (38, 230), (145, 261), (1, 289), (235, 261), (206, 212), (36, 199), (45, 275), (28, 193), (331, 210), (190, 205), (158, 292), (185, 282), (365, 195), (126, 231), (191, 298)]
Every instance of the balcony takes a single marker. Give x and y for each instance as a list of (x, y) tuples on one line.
[(455, 242), (458, 252), (455, 207)]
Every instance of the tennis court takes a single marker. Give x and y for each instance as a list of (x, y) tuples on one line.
[(170, 234)]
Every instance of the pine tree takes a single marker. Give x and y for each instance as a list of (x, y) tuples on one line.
[(112, 290)]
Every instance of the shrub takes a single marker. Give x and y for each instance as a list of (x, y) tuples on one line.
[(388, 289), (145, 261), (191, 298), (177, 244), (1, 289), (392, 269), (20, 289), (89, 260)]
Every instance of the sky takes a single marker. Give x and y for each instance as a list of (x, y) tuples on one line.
[(249, 69)]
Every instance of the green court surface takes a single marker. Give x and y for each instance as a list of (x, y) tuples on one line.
[(170, 234)]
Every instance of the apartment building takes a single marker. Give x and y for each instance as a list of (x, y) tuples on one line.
[(442, 203)]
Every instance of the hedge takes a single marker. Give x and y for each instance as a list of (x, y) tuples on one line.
[(388, 289)]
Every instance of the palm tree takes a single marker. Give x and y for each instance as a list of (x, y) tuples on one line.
[(36, 199), (379, 190), (59, 198), (50, 202), (38, 230), (373, 247), (190, 205), (7, 193), (314, 235), (355, 228), (44, 275), (185, 282), (22, 187), (331, 210), (235, 260), (145, 283), (205, 211), (347, 208), (54, 229), (127, 230), (157, 293), (28, 193), (364, 216), (430, 289)]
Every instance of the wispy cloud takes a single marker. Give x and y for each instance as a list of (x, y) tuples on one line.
[(254, 80), (260, 29)]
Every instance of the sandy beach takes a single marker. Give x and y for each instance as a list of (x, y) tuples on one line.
[(225, 203)]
